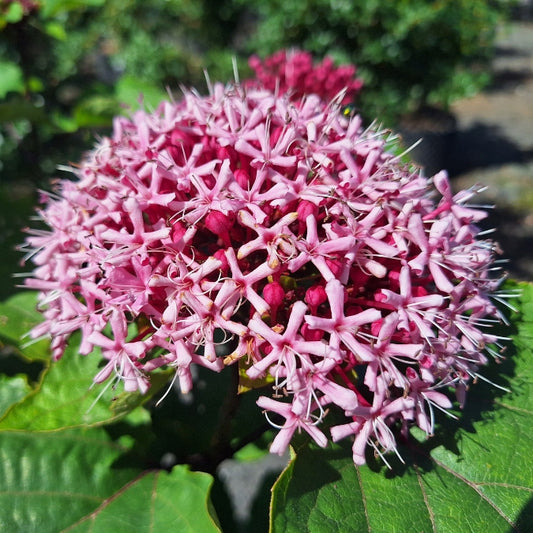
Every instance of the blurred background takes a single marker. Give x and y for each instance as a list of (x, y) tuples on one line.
[(457, 74)]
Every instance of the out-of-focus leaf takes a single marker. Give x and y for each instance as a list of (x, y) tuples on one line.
[(18, 315), (56, 30), (49, 481), (478, 479), (160, 501), (14, 12), (18, 108), (251, 452), (11, 78), (132, 92), (51, 8), (65, 123), (95, 111), (35, 84)]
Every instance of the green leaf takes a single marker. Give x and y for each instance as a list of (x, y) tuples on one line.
[(159, 501), (66, 395), (52, 8), (64, 122), (131, 91), (67, 398), (95, 111), (477, 476), (251, 452), (56, 30), (14, 12), (35, 84), (17, 108), (11, 78), (48, 481), (18, 315)]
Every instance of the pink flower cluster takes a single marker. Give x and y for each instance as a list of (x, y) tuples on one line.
[(294, 72), (255, 229)]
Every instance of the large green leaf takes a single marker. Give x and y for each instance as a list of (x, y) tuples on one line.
[(478, 476), (48, 481), (157, 501), (67, 398)]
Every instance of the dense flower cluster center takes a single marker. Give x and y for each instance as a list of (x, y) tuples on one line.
[(276, 234)]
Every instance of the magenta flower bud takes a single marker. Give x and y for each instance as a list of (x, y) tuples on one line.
[(306, 208), (274, 295), (219, 224), (315, 296), (312, 334), (221, 256), (242, 178)]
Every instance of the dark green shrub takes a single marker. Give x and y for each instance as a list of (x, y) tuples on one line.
[(409, 52)]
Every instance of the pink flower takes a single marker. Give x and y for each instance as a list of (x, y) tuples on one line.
[(261, 226), (292, 412), (343, 329)]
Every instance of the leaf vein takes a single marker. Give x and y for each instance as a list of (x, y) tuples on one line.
[(504, 485), (363, 498), (514, 408), (92, 516), (426, 501), (476, 488)]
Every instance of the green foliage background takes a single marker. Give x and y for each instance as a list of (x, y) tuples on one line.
[(67, 67)]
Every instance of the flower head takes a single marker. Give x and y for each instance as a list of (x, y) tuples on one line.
[(283, 224), (293, 72)]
